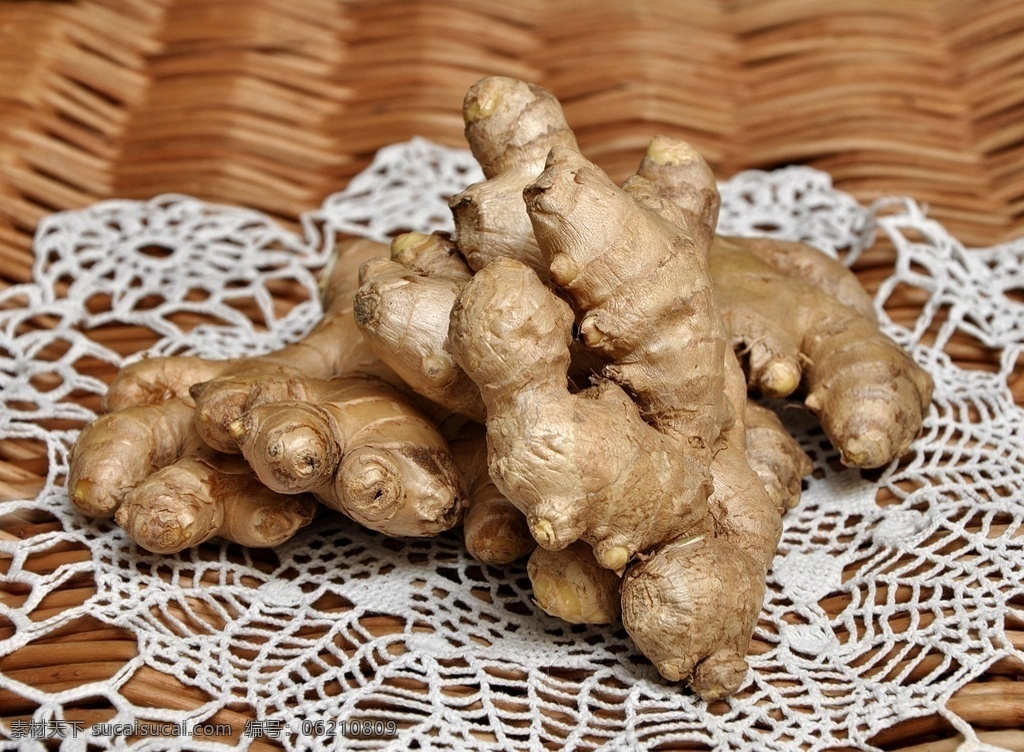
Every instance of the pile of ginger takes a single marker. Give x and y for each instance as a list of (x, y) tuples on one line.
[(566, 378)]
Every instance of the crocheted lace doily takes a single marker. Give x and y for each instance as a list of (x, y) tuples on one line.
[(875, 614)]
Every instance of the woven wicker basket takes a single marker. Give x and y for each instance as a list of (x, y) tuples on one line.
[(274, 104)]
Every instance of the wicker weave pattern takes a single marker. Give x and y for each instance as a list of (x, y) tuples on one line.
[(274, 104)]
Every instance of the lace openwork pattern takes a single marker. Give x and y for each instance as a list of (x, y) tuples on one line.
[(876, 612)]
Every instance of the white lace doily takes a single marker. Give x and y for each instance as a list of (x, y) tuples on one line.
[(343, 624)]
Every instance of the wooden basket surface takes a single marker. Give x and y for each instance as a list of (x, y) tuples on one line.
[(274, 104)]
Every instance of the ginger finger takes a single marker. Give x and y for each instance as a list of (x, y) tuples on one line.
[(770, 451), (571, 585), (155, 380), (772, 350), (802, 319), (404, 317), (644, 296), (572, 463), (200, 497), (146, 467), (775, 456), (679, 173), (434, 255), (510, 126), (869, 395), (712, 616), (494, 530), (806, 262), (361, 449), (638, 278), (675, 182), (116, 452), (332, 346)]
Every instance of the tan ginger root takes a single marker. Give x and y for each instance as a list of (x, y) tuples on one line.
[(682, 176), (332, 347), (355, 447), (570, 584), (495, 531), (569, 461), (802, 319), (642, 292), (869, 395), (494, 109), (402, 311), (587, 467), (510, 127), (146, 466), (675, 183), (434, 255), (775, 456), (402, 308), (679, 173), (397, 473), (771, 451)]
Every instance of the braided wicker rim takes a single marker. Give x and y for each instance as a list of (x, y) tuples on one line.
[(274, 104)]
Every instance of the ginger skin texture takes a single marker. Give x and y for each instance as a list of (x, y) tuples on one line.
[(146, 466), (494, 530), (775, 456), (644, 296), (802, 321), (870, 397), (357, 448), (749, 472), (570, 584), (644, 300), (402, 308), (510, 127), (570, 462), (576, 464), (356, 443)]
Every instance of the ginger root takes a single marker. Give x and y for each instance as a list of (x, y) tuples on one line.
[(357, 443), (357, 448), (510, 127), (569, 461), (598, 330), (206, 495), (644, 300), (820, 334), (869, 395), (570, 584), (647, 303), (494, 530), (402, 311), (146, 466)]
